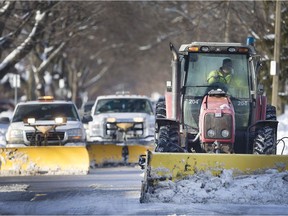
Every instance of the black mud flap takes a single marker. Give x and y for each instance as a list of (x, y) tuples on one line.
[(125, 154), (165, 122), (142, 161)]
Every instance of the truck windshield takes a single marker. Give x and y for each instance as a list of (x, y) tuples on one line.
[(45, 112), (200, 66), (123, 105)]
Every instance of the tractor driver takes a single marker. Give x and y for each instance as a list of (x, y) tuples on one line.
[(223, 74)]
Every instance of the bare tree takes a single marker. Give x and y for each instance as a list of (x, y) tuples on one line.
[(100, 47)]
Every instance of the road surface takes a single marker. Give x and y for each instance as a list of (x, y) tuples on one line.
[(105, 191)]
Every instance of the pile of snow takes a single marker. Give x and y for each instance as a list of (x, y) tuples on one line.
[(13, 187), (268, 188)]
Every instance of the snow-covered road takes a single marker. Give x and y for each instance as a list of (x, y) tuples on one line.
[(116, 191)]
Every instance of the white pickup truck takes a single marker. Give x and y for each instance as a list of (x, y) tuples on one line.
[(121, 118)]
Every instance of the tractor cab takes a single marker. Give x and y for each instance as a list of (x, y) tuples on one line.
[(198, 68), (230, 68)]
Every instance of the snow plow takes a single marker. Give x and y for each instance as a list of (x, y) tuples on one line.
[(215, 116), (49, 160), (120, 128), (45, 137), (102, 155)]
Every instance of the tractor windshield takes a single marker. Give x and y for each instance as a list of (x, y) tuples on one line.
[(203, 66), (203, 75)]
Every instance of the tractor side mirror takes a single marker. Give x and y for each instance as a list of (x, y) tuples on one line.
[(260, 89)]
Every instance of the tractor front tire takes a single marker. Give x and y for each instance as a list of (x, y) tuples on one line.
[(265, 140)]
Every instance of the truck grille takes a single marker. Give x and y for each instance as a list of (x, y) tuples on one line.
[(52, 136), (136, 130)]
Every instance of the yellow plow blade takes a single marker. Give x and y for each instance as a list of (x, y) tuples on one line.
[(49, 160), (103, 154), (178, 165)]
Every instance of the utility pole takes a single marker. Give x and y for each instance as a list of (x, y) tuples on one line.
[(276, 55)]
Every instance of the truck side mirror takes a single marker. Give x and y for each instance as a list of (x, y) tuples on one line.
[(86, 119)]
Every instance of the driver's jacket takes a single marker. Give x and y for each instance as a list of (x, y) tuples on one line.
[(217, 76)]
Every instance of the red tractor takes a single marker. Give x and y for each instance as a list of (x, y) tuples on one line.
[(199, 116)]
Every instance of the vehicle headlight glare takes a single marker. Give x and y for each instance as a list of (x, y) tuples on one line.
[(225, 133), (111, 120), (60, 120), (138, 119), (211, 133), (31, 120)]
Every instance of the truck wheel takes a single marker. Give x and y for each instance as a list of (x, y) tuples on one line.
[(265, 139), (168, 140), (160, 113)]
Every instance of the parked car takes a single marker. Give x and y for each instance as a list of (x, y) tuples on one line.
[(4, 124), (121, 118), (6, 111), (45, 122)]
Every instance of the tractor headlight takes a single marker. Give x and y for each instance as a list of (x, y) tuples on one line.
[(211, 133), (225, 133)]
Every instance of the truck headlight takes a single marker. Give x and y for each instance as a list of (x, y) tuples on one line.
[(95, 126), (111, 120), (15, 136), (75, 134), (138, 119)]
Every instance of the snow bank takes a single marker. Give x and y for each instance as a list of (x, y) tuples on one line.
[(268, 188), (282, 132), (13, 187)]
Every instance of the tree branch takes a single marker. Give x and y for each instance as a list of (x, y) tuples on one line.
[(23, 49)]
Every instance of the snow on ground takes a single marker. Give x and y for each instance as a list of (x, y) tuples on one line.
[(268, 188), (14, 188), (282, 147)]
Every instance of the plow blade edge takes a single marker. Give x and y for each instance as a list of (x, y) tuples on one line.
[(49, 160), (112, 154), (178, 165)]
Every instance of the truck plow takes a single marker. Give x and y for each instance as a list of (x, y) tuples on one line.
[(161, 167), (48, 160), (112, 154)]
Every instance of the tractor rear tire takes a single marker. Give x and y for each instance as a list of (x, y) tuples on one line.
[(161, 109), (168, 140), (265, 139)]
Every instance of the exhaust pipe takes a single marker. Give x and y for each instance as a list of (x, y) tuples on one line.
[(175, 83)]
